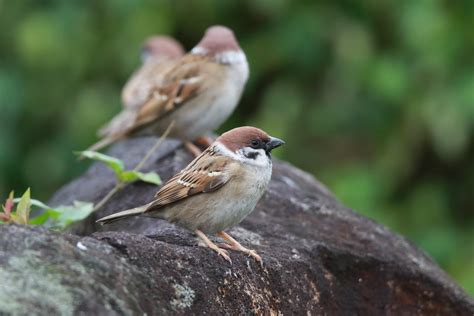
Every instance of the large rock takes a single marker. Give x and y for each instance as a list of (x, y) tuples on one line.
[(320, 257)]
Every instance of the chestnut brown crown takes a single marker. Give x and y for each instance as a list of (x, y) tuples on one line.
[(217, 39), (161, 46), (248, 136)]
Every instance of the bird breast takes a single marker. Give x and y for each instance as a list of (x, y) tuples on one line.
[(224, 208)]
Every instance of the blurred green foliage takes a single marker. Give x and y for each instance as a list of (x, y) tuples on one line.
[(375, 98)]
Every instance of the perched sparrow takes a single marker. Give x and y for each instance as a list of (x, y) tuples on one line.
[(155, 51), (217, 190), (161, 48), (197, 92)]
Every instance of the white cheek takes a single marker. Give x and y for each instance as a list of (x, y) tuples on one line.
[(261, 159)]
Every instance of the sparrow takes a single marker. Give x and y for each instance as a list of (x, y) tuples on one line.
[(196, 92), (155, 51), (161, 48), (217, 190)]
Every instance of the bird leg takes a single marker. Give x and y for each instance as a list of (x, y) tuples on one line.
[(204, 141), (213, 246), (234, 245), (193, 149)]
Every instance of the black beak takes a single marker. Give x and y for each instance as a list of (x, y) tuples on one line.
[(273, 143)]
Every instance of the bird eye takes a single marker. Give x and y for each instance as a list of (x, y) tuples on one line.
[(255, 143)]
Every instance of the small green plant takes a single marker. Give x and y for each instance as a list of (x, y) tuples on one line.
[(55, 218), (118, 167), (22, 212), (123, 176), (62, 216)]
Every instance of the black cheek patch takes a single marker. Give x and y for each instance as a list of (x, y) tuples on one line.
[(251, 155)]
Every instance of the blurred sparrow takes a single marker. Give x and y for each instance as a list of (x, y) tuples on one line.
[(161, 47), (155, 51), (217, 190), (197, 92)]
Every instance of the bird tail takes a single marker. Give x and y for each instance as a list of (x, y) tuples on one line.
[(116, 129), (103, 143), (100, 144), (124, 214), (120, 124)]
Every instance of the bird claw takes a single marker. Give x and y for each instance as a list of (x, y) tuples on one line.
[(255, 255), (205, 241), (226, 246), (221, 252), (224, 254), (249, 252)]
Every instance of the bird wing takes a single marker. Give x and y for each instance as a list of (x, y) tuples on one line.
[(182, 83), (207, 173), (141, 84)]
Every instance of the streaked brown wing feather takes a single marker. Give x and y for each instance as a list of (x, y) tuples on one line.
[(181, 84), (141, 84), (207, 173)]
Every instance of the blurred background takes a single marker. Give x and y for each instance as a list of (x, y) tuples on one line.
[(375, 98)]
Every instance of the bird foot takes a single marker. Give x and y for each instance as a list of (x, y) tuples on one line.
[(223, 253), (206, 242), (204, 141), (238, 247), (193, 149), (235, 245)]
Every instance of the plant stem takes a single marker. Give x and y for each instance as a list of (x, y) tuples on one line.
[(154, 148), (120, 185)]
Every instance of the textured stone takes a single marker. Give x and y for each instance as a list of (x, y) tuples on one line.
[(320, 257)]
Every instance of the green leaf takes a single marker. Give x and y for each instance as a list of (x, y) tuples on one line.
[(113, 163), (54, 214), (125, 176), (40, 219), (66, 215), (149, 177), (38, 203), (130, 176), (59, 217), (23, 208), (35, 203)]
